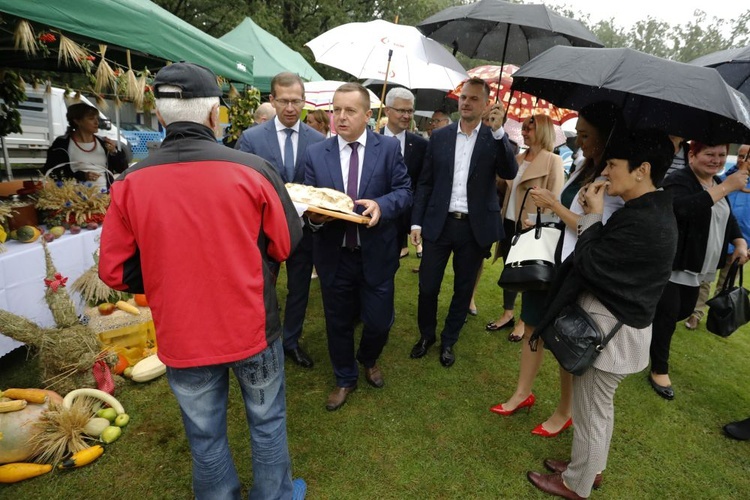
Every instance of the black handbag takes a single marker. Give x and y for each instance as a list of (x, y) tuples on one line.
[(730, 307), (530, 264), (575, 339)]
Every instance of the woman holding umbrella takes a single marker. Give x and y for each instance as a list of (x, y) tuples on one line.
[(706, 227), (616, 275), (596, 124)]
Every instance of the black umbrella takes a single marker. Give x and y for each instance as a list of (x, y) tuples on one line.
[(681, 99), (505, 32), (732, 64)]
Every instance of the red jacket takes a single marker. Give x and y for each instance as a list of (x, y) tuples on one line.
[(194, 227)]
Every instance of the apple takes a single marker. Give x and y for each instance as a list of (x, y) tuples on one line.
[(75, 229), (57, 231), (48, 237), (106, 308), (122, 420), (92, 225), (108, 413)]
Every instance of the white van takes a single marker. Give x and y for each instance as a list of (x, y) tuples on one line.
[(43, 120)]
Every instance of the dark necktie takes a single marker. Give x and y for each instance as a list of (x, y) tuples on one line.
[(351, 190), (289, 156)]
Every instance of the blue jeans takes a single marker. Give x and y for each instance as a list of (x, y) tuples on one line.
[(202, 394)]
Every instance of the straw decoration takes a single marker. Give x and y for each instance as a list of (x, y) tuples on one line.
[(105, 76), (131, 92), (24, 38), (233, 93), (70, 53)]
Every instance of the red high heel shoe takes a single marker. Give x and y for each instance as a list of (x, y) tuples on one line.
[(526, 403), (539, 430)]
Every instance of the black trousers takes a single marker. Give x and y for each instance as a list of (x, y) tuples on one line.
[(676, 304), (298, 274), (346, 299), (458, 239)]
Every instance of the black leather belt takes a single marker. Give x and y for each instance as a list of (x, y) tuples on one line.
[(458, 215)]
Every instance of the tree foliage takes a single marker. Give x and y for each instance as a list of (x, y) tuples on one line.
[(296, 22)]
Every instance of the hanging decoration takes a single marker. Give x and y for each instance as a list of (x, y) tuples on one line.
[(107, 78)]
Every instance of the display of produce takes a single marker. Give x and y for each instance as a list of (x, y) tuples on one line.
[(148, 369)]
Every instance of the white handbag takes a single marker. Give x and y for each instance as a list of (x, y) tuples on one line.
[(530, 264)]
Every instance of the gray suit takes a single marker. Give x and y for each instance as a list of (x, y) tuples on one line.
[(263, 141)]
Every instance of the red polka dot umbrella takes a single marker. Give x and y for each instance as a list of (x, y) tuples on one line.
[(520, 105)]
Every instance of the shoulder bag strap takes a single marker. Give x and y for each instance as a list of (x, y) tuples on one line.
[(520, 211), (609, 336)]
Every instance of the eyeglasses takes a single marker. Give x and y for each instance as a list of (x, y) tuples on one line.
[(438, 120), (286, 102), (402, 111)]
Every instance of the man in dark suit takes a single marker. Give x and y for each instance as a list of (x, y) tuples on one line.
[(282, 142), (399, 108), (457, 210), (356, 263)]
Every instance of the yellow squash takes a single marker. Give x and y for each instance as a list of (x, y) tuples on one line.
[(83, 457), (12, 473)]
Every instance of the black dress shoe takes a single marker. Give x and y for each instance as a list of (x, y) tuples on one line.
[(420, 348), (738, 430), (299, 356), (447, 358), (663, 391)]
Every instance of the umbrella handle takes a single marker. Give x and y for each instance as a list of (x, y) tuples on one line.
[(382, 92)]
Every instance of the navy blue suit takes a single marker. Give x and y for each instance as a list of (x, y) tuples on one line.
[(470, 238), (262, 140), (361, 280), (415, 147)]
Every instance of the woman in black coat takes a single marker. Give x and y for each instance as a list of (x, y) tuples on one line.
[(706, 227), (616, 274)]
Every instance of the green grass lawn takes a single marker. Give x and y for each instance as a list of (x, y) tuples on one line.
[(428, 433)]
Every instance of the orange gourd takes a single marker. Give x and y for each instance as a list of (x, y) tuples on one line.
[(140, 299)]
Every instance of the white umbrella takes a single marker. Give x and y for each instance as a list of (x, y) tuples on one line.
[(390, 52), (319, 95)]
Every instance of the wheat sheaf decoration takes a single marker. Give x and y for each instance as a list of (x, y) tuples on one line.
[(24, 38)]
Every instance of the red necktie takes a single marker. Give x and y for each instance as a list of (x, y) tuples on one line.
[(351, 190)]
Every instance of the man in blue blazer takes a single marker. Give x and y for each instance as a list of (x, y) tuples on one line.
[(457, 210), (282, 142), (399, 108), (356, 263)]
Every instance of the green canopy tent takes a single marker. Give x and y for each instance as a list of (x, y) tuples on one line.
[(139, 25), (272, 56)]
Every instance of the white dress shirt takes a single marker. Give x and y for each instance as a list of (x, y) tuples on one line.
[(345, 153), (400, 136), (461, 163), (281, 136)]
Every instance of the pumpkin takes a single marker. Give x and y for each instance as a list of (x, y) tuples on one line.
[(17, 428), (140, 299)]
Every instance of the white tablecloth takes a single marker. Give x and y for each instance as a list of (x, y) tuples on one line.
[(22, 273)]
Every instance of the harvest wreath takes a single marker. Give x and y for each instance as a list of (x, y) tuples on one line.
[(65, 203)]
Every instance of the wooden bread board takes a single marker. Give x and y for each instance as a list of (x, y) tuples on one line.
[(359, 219)]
